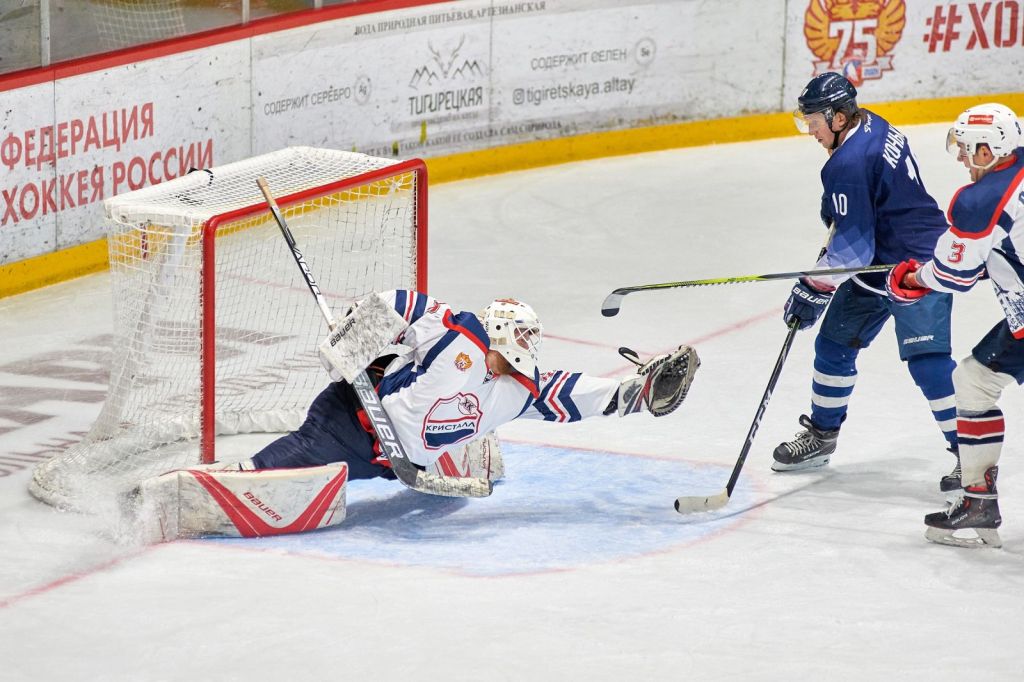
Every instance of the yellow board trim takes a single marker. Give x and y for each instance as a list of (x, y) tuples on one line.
[(50, 268)]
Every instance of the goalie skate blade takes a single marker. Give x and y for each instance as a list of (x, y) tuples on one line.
[(612, 304), (986, 537), (692, 505)]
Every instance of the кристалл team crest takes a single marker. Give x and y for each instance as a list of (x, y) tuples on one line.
[(451, 420), (854, 38)]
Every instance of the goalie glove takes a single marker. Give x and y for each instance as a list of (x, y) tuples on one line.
[(661, 383)]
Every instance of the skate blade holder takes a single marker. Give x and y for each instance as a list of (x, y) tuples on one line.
[(985, 537)]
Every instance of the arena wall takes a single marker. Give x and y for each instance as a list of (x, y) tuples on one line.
[(474, 87)]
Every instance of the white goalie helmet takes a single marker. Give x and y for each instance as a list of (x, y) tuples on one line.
[(514, 331), (994, 125)]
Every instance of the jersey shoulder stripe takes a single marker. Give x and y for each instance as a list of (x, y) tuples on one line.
[(970, 212), (410, 304), (565, 395), (555, 402), (469, 326), (544, 402)]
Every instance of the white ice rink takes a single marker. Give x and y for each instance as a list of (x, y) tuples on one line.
[(577, 568)]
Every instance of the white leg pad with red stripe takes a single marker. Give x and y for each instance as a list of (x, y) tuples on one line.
[(195, 502), (361, 337), (480, 458)]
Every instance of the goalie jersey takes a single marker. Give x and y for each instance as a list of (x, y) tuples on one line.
[(985, 238), (874, 194), (439, 392)]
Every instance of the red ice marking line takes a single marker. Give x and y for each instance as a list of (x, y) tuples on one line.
[(728, 329), (74, 577), (581, 342)]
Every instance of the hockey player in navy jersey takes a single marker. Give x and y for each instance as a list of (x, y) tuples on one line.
[(985, 240), (455, 376), (876, 200)]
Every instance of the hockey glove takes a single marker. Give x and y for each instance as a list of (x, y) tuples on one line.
[(661, 383), (805, 305), (900, 291)]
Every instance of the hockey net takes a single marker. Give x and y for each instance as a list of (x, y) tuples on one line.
[(215, 329)]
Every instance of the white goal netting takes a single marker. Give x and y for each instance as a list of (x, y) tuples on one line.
[(215, 328), (123, 23)]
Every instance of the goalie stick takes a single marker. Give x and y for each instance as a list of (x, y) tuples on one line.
[(689, 505), (408, 473), (613, 302)]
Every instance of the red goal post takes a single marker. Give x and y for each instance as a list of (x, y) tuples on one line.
[(215, 331)]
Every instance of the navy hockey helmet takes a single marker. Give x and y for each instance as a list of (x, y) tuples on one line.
[(829, 93)]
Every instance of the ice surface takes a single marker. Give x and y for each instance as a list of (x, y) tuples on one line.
[(577, 567)]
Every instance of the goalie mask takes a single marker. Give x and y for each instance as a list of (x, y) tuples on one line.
[(515, 332), (993, 125)]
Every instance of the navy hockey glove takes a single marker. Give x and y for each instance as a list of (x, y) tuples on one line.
[(805, 305), (900, 290)]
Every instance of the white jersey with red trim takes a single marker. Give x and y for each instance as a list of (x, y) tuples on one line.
[(439, 392), (985, 238)]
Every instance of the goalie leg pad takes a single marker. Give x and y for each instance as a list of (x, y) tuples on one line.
[(360, 337), (195, 502), (480, 458)]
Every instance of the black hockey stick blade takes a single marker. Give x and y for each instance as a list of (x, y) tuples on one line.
[(692, 505), (613, 302)]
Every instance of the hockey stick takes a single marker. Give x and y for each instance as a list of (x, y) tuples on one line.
[(689, 505), (406, 472), (613, 302)]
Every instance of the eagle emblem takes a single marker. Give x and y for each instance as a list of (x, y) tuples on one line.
[(854, 38)]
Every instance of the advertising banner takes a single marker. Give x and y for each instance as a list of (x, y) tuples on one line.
[(28, 223), (444, 78), (79, 140), (450, 78), (897, 49)]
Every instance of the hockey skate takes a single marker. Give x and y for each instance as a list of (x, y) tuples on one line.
[(812, 447), (951, 481), (977, 510)]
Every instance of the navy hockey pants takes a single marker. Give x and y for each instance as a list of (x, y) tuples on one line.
[(852, 321), (332, 432)]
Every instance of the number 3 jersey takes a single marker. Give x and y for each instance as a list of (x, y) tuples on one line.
[(874, 194), (439, 392), (985, 238)]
